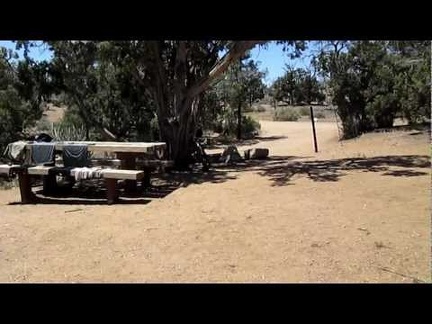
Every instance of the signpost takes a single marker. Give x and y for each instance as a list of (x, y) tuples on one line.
[(313, 129)]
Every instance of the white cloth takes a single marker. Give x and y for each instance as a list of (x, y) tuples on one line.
[(87, 173), (16, 150)]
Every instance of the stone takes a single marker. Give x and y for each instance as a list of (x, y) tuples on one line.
[(230, 155), (259, 153)]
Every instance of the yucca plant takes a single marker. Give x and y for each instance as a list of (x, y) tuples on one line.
[(62, 132)]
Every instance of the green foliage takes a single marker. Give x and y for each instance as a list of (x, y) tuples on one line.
[(227, 124), (371, 82), (296, 87), (260, 108), (67, 132), (285, 114), (8, 183), (20, 103), (118, 87), (413, 81), (43, 126), (95, 81), (240, 88), (250, 126), (210, 110), (319, 114), (304, 111)]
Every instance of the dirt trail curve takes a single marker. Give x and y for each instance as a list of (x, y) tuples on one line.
[(354, 212)]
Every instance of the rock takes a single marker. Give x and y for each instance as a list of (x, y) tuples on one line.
[(230, 155), (259, 153)]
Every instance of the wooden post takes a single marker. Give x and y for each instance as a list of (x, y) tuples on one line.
[(27, 196), (313, 129), (146, 183), (112, 193), (127, 162), (49, 184)]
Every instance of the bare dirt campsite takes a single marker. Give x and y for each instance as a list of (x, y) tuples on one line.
[(356, 211)]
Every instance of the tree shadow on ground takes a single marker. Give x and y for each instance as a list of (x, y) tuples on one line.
[(45, 200), (416, 128), (279, 169), (93, 192), (282, 169), (404, 173), (196, 176), (221, 143), (332, 170), (89, 192)]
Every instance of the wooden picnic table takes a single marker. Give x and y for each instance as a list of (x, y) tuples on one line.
[(126, 152), (114, 147)]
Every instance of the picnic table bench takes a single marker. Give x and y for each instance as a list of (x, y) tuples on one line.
[(126, 159)]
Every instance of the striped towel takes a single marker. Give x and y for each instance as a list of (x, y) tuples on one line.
[(86, 173)]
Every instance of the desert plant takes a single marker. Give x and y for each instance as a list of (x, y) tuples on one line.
[(250, 126), (260, 108), (304, 111), (319, 114), (6, 184), (285, 114), (68, 132), (43, 126)]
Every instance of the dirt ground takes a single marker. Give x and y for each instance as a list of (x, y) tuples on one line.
[(357, 211)]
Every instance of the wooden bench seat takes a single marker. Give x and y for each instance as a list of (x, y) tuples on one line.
[(8, 170), (112, 175), (40, 170), (122, 174)]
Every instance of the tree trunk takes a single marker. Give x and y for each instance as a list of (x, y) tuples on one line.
[(177, 126), (239, 134), (178, 133)]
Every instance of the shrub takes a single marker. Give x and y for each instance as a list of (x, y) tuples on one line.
[(250, 126), (6, 184), (43, 126), (228, 125), (304, 111), (68, 132), (286, 114), (260, 108), (319, 115)]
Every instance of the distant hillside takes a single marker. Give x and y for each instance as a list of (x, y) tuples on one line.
[(52, 114)]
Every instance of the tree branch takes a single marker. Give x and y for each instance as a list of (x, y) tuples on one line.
[(235, 53)]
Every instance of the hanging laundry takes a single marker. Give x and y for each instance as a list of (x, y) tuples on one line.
[(75, 155), (42, 153)]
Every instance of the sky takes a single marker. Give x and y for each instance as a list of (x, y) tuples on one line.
[(272, 59)]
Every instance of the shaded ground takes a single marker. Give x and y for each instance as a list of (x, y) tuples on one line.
[(357, 211)]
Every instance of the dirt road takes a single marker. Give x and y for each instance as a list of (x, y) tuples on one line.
[(354, 212)]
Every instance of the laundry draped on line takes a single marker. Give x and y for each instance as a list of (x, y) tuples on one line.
[(15, 151), (42, 153), (75, 155)]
